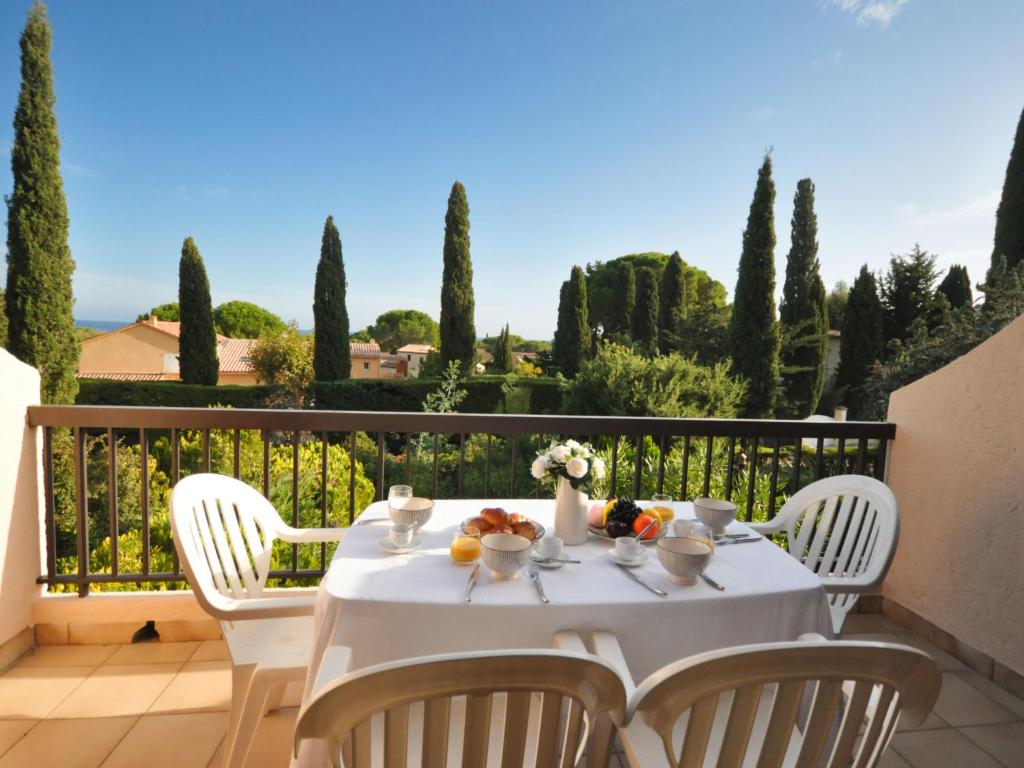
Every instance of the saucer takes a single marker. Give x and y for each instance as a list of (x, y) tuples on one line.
[(386, 545), (628, 563), (536, 557)]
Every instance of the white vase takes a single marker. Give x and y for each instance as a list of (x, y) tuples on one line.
[(570, 513)]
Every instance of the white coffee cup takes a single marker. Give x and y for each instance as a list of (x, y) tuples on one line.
[(401, 535), (627, 548), (550, 547)]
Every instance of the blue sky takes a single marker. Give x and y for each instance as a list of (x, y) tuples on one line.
[(582, 131)]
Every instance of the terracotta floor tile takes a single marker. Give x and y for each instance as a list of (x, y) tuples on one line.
[(32, 692), (863, 623), (68, 656), (993, 691), (12, 730), (114, 690), (272, 747), (891, 759), (68, 743), (941, 749), (930, 723), (962, 704), (153, 653), (944, 660), (198, 686), (170, 741), (1004, 742), (211, 650), (874, 637)]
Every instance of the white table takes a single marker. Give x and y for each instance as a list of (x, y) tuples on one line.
[(387, 607)]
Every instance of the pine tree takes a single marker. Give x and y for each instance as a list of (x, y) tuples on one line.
[(332, 357), (39, 298), (645, 313), (804, 333), (956, 287), (197, 345), (573, 337), (458, 332), (504, 360), (861, 343), (753, 328), (625, 301), (907, 292), (671, 304), (1009, 239)]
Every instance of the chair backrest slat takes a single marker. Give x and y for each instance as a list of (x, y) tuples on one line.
[(227, 560), (837, 535), (822, 533), (239, 548), (785, 709), (517, 719), (739, 726), (435, 731), (816, 733), (698, 732), (396, 736), (573, 733), (200, 523), (853, 718), (362, 745), (871, 744), (547, 738)]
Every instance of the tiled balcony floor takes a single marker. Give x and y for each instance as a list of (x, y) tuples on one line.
[(164, 705)]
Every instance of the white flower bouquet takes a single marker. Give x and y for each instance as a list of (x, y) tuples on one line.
[(576, 462)]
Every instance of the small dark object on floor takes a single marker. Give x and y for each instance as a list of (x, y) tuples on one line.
[(146, 633)]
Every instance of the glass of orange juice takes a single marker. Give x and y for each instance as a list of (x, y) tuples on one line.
[(465, 545), (662, 504)]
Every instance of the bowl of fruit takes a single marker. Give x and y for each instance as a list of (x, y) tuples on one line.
[(623, 517), (497, 520)]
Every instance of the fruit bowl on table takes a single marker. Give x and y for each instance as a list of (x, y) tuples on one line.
[(622, 517), (497, 520)]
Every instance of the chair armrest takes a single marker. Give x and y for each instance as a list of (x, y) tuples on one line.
[(227, 609), (772, 526), (851, 584), (310, 535), (570, 640), (812, 637), (606, 646)]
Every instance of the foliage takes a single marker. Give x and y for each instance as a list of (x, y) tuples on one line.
[(447, 397), (1009, 237), (458, 332), (860, 344), (526, 369), (753, 328), (38, 298), (245, 320), (836, 304), (398, 327), (285, 358), (197, 345), (332, 358), (645, 312), (515, 396), (956, 287), (906, 291), (620, 319), (173, 394), (803, 315), (3, 320), (168, 312), (619, 381), (504, 362), (362, 336), (572, 337), (671, 304), (81, 334)]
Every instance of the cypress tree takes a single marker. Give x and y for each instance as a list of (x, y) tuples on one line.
[(804, 333), (332, 358), (626, 300), (504, 360), (671, 304), (645, 313), (861, 343), (753, 327), (197, 345), (1009, 238), (458, 333), (573, 338), (956, 287), (39, 297), (3, 320), (562, 326)]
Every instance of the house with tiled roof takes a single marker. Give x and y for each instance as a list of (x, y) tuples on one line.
[(414, 355)]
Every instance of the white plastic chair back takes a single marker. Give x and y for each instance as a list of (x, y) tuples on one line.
[(472, 708), (224, 531), (781, 704), (845, 529)]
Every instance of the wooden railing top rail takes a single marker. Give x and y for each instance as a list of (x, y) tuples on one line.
[(135, 417)]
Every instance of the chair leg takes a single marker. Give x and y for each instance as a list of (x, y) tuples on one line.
[(241, 677), (249, 718), (275, 697)]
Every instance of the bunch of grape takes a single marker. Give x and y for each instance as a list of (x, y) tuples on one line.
[(621, 517)]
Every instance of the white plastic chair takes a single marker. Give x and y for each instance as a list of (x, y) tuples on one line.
[(804, 703), (224, 532), (529, 707), (845, 529)]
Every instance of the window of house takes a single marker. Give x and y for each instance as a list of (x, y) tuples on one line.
[(409, 358), (366, 366)]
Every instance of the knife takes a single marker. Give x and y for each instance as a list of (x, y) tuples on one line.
[(659, 592), (535, 578), (472, 582), (738, 541), (712, 582)]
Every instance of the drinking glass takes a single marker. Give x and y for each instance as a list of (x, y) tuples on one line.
[(399, 492), (465, 546), (662, 504), (401, 536)]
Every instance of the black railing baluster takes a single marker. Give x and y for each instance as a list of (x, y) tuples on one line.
[(352, 478), (236, 454), (515, 460), (638, 468), (862, 453), (880, 467), (841, 456), (487, 469), (206, 450), (144, 456), (175, 477), (434, 494), (380, 466), (751, 475), (685, 480), (819, 459), (661, 464), (323, 496), (707, 466), (112, 500), (408, 458), (50, 505), (82, 510), (462, 461), (295, 496), (613, 488), (773, 487), (798, 460), (728, 469), (266, 463)]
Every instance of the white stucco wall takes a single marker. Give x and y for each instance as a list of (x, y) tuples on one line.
[(21, 497), (957, 469)]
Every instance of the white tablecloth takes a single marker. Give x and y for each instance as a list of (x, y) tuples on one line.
[(388, 607)]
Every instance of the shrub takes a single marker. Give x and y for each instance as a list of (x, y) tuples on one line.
[(171, 394)]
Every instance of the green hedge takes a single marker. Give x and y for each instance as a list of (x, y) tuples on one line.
[(484, 394)]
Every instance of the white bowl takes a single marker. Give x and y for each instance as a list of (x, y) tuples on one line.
[(505, 553), (684, 558), (410, 510), (715, 513)]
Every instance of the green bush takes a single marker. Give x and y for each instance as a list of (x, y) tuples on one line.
[(484, 394), (172, 394)]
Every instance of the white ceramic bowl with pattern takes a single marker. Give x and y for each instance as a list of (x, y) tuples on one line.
[(684, 558), (410, 511), (716, 514), (505, 553)]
